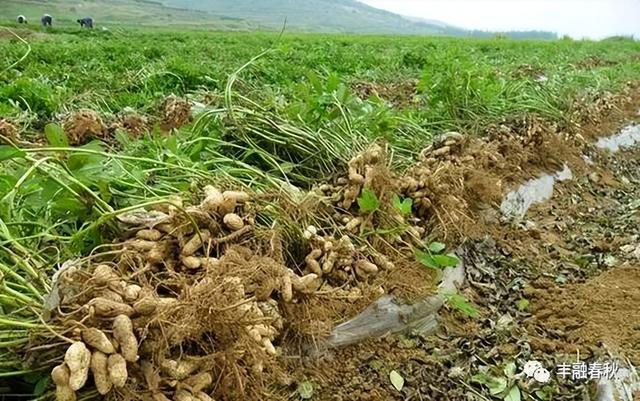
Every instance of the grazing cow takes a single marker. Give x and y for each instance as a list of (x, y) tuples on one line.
[(86, 22), (22, 19), (46, 20)]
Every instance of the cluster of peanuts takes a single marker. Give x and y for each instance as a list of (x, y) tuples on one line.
[(339, 259), (444, 147), (264, 313), (158, 242), (361, 174), (103, 353)]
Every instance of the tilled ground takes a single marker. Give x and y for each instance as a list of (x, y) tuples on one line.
[(561, 284)]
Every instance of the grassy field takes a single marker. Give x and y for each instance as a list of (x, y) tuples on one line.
[(117, 13), (459, 82), (271, 113)]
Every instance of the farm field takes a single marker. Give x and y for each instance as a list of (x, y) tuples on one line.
[(189, 215)]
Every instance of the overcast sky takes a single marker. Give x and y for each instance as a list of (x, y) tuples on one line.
[(578, 18)]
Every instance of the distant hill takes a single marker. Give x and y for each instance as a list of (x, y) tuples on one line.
[(134, 12), (331, 16), (348, 16)]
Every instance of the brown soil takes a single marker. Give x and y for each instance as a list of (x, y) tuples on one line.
[(176, 112), (594, 62), (602, 312), (528, 71), (83, 126), (6, 34), (8, 130), (135, 125), (399, 94)]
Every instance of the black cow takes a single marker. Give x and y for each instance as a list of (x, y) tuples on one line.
[(86, 22), (46, 20), (22, 19)]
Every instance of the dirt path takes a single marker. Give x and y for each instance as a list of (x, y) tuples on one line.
[(562, 283)]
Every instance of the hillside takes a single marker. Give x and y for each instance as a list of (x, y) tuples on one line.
[(347, 16), (330, 16), (138, 12)]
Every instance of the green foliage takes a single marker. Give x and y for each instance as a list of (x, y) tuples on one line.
[(305, 390), (368, 201), (55, 135), (435, 258), (437, 247), (522, 305), (502, 385), (403, 206), (460, 303)]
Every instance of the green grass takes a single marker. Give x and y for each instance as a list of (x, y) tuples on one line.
[(459, 79), (276, 119)]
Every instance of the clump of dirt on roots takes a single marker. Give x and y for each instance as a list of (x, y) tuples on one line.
[(8, 130), (390, 234), (83, 126), (134, 124), (200, 305), (459, 182), (399, 94), (176, 112)]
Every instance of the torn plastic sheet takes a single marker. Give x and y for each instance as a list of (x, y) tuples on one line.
[(623, 387), (517, 203), (629, 136), (53, 298), (388, 315), (142, 217)]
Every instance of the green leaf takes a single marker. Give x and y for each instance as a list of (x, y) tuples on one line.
[(523, 304), (513, 395), (541, 394), (396, 380), (449, 260), (171, 143), (7, 182), (497, 385), (55, 135), (437, 247), (460, 303), (368, 201), (68, 205), (79, 160), (510, 369), (403, 206), (9, 152), (41, 386), (436, 261), (305, 390), (425, 259)]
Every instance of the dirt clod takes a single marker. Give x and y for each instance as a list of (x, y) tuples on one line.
[(84, 125), (176, 112)]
